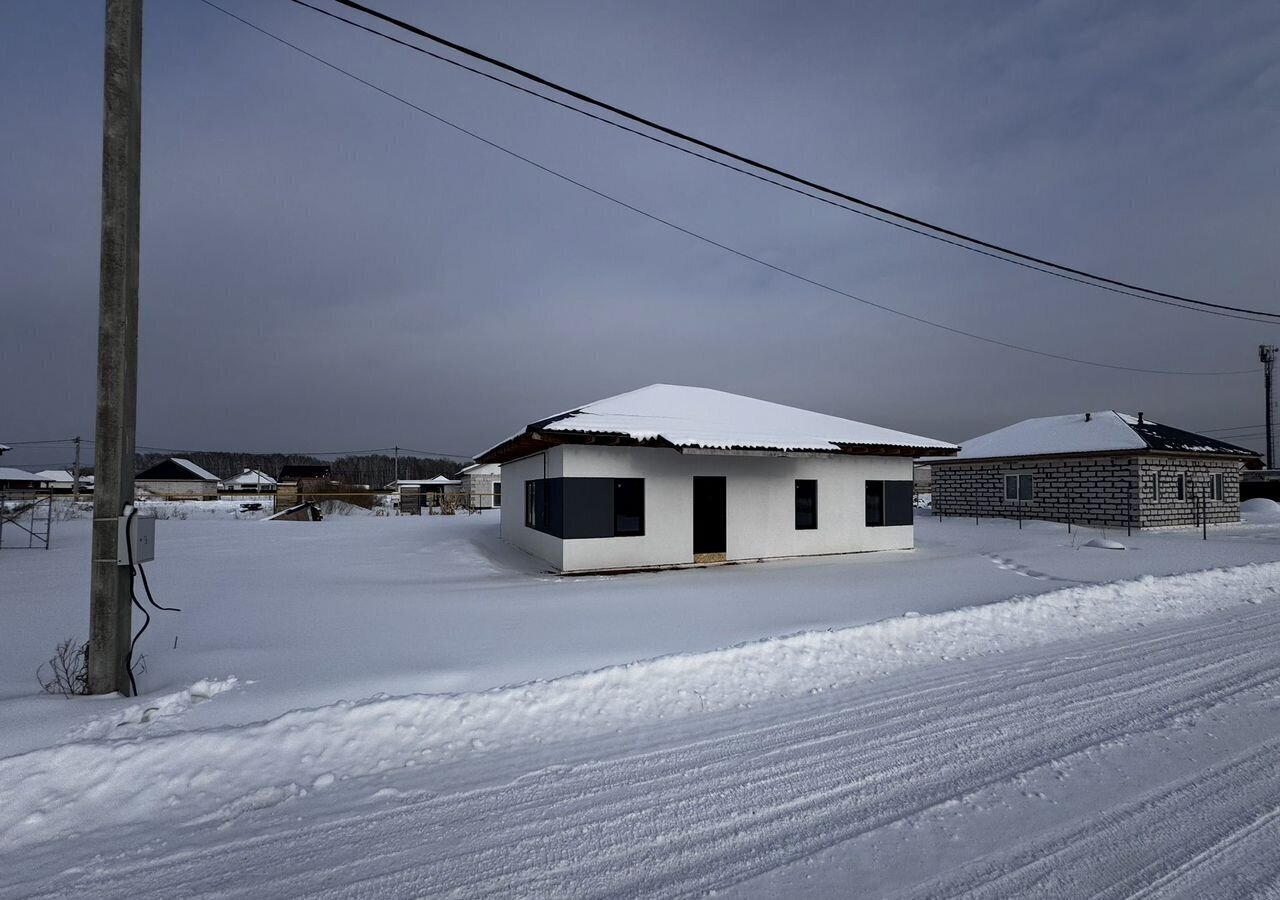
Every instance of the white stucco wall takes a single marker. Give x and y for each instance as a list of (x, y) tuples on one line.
[(760, 505), (514, 475)]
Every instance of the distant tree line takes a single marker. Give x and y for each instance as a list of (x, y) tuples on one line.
[(374, 470)]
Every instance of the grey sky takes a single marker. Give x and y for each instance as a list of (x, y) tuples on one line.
[(324, 269)]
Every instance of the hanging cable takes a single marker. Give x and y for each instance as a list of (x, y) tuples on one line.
[(931, 230), (711, 241)]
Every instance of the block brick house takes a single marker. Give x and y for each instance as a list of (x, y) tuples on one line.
[(670, 475), (1100, 468)]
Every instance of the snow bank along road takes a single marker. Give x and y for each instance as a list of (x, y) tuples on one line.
[(1137, 762)]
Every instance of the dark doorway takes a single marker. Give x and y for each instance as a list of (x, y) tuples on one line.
[(709, 516)]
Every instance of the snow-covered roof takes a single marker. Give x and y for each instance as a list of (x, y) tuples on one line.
[(694, 417), (194, 469), (202, 474), (250, 476), (54, 475), (11, 474), (1095, 432), (481, 469)]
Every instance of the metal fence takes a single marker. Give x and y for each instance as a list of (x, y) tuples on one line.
[(25, 521)]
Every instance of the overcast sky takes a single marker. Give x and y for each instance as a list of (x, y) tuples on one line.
[(325, 269)]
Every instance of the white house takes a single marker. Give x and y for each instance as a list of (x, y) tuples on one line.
[(56, 479), (670, 475), (250, 480), (177, 478), (482, 483)]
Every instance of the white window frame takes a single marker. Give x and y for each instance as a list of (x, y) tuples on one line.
[(1018, 483), (1217, 486)]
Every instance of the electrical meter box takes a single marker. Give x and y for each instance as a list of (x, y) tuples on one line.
[(139, 532)]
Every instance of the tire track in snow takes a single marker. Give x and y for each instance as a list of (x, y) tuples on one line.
[(1243, 794), (709, 813)]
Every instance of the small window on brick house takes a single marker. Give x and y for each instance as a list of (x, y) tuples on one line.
[(1017, 488), (1155, 486), (1180, 486), (1216, 487)]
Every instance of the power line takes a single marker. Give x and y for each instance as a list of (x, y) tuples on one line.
[(758, 177), (756, 164), (701, 237)]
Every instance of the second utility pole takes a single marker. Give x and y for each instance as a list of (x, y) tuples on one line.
[(1268, 356), (110, 626)]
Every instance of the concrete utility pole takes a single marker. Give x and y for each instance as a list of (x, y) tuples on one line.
[(109, 591), (1267, 354), (75, 473), (397, 464)]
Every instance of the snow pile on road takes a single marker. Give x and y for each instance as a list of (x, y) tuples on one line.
[(223, 772)]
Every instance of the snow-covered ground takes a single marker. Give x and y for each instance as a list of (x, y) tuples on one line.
[(373, 706)]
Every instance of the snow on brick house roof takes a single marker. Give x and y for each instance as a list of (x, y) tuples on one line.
[(693, 417), (164, 471), (1107, 431)]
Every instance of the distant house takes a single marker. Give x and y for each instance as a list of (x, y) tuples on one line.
[(18, 481), (670, 475), (178, 479), (250, 480), (482, 483), (1099, 468), (417, 493), (56, 479)]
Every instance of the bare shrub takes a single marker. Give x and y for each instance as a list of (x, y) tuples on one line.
[(68, 669)]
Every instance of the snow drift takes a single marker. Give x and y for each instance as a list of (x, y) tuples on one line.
[(52, 791)]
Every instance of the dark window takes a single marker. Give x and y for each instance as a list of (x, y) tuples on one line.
[(497, 493), (1180, 486), (890, 503), (628, 507), (875, 503), (574, 508), (544, 506), (806, 504), (1155, 486)]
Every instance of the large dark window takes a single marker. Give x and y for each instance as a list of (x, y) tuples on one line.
[(890, 503), (497, 493), (806, 504), (544, 505), (574, 508)]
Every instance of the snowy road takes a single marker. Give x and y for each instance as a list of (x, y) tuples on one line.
[(1145, 763)]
